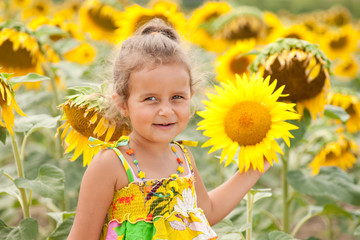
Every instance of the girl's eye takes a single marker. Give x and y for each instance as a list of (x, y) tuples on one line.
[(150, 99), (177, 97)]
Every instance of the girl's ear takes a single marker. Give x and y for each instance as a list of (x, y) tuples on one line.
[(120, 104)]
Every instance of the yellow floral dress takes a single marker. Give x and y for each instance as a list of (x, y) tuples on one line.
[(137, 214)]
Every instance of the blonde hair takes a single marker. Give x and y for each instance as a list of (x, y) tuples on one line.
[(153, 44)]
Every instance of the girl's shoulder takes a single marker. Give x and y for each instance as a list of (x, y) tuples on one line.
[(107, 164)]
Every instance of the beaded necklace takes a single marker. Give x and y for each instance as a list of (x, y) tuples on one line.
[(148, 188)]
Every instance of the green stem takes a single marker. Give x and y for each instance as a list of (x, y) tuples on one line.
[(300, 223), (271, 217), (20, 169), (22, 150), (8, 176), (285, 189), (331, 230), (249, 208)]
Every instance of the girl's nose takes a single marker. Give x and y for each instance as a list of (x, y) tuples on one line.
[(166, 109)]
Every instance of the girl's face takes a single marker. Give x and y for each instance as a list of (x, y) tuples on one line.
[(159, 102)]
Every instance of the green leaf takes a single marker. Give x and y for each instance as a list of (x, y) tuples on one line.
[(278, 235), (331, 183), (31, 77), (336, 112), (357, 231), (335, 210), (27, 230), (60, 217), (66, 44), (62, 232), (12, 191), (302, 125), (49, 183), (3, 135), (260, 194), (47, 30), (25, 124)]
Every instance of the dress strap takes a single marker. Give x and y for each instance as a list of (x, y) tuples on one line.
[(189, 143), (121, 142)]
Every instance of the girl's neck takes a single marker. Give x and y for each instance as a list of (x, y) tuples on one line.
[(151, 147)]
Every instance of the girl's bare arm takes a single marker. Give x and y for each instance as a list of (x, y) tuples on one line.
[(219, 202), (96, 193)]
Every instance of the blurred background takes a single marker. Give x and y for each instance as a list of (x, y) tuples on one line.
[(56, 61)]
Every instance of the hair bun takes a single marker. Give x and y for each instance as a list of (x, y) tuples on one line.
[(157, 25)]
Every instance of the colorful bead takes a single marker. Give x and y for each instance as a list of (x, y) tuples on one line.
[(174, 175), (148, 189), (141, 174), (130, 151), (173, 186)]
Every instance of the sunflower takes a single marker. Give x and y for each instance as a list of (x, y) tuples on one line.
[(246, 114), (239, 24), (69, 29), (37, 8), (336, 16), (340, 42), (201, 18), (101, 20), (347, 67), (83, 54), (69, 9), (273, 25), (312, 24), (298, 31), (341, 153), (235, 60), (301, 67), (351, 104), (84, 117), (20, 4), (135, 16), (20, 53), (8, 104)]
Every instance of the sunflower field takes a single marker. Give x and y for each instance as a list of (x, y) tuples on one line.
[(279, 80)]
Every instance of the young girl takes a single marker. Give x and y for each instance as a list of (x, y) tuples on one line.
[(146, 186)]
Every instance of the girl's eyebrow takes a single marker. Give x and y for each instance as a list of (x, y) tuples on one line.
[(155, 94)]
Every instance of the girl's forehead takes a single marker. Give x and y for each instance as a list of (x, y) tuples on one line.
[(170, 75)]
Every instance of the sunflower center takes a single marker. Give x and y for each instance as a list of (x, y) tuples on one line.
[(81, 124), (294, 76), (350, 110), (40, 8), (247, 123), (293, 35), (21, 58), (243, 28), (339, 43), (239, 65), (145, 18), (105, 22)]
